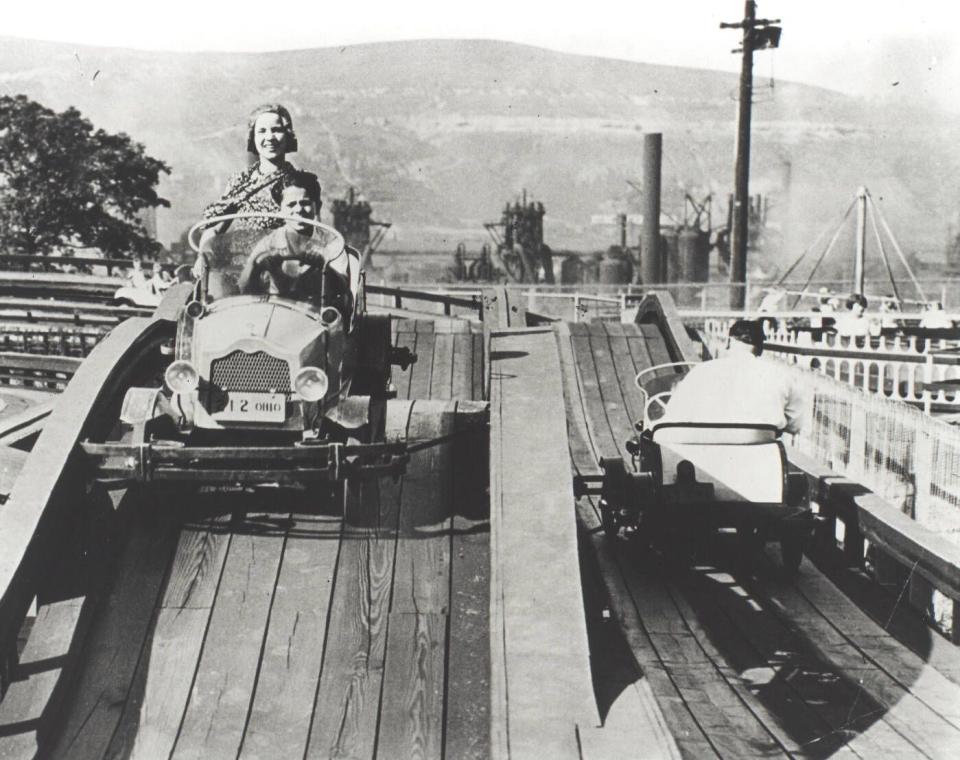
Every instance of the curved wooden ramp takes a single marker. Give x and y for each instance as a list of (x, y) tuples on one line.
[(264, 626)]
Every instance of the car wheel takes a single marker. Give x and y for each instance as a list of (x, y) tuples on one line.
[(608, 520)]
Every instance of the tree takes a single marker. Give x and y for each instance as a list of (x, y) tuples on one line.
[(65, 186)]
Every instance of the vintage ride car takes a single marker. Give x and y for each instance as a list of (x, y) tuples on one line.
[(263, 385), (688, 479)]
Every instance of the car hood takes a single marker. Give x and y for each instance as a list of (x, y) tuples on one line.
[(285, 329)]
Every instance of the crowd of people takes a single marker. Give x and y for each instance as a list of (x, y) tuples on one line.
[(850, 317)]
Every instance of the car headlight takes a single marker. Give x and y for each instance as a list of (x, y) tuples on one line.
[(182, 377), (311, 383)]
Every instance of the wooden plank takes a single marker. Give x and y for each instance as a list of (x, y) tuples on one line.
[(582, 450), (634, 727), (421, 582), (401, 377), (546, 670), (792, 723), (421, 372), (226, 674), (637, 344), (292, 655), (604, 443), (495, 312), (660, 694), (46, 654), (463, 355), (625, 370), (903, 666), (479, 368), (930, 732), (411, 716), (441, 380), (152, 714), (467, 715), (347, 703), (657, 308), (116, 638), (621, 425), (656, 345), (731, 728)]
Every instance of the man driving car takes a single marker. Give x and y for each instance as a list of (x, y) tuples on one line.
[(739, 388), (289, 260)]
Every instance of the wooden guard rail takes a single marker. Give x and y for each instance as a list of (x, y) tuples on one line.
[(449, 301), (24, 261), (927, 561), (41, 516)]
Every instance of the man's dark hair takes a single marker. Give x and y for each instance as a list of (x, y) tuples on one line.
[(305, 181), (748, 331)]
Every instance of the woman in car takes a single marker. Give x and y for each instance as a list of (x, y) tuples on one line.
[(270, 137)]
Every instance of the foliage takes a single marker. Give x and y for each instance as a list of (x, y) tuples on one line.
[(66, 186)]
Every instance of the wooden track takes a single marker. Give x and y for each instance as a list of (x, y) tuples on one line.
[(265, 626), (738, 665)]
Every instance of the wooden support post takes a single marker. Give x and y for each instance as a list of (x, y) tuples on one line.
[(853, 543), (858, 442), (922, 472), (920, 594), (955, 623)]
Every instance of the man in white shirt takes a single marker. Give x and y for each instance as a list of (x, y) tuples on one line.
[(740, 388)]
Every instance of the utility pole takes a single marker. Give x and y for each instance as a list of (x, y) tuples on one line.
[(758, 34)]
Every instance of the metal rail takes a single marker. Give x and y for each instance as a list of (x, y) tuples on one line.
[(449, 301)]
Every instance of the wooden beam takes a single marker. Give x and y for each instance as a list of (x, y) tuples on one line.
[(657, 307), (540, 661), (51, 478), (916, 547)]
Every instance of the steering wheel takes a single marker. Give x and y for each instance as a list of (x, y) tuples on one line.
[(331, 238)]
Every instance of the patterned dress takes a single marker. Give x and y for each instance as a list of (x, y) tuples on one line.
[(250, 192)]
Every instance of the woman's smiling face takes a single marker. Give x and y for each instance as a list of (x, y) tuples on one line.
[(269, 136)]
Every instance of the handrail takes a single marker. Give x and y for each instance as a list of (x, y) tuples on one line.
[(34, 309), (447, 300), (50, 261)]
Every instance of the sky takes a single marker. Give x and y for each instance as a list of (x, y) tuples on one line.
[(876, 48)]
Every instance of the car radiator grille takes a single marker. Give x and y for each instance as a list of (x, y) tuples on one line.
[(255, 373)]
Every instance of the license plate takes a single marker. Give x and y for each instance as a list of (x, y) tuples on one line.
[(253, 407)]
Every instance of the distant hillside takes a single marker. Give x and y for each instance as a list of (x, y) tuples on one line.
[(440, 134)]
